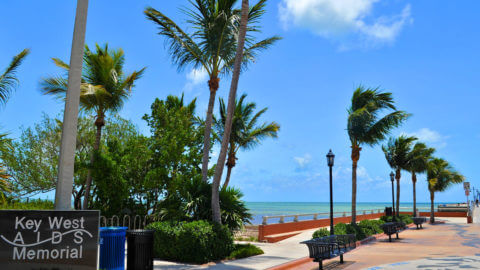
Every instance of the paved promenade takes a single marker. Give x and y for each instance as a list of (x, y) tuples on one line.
[(452, 245)]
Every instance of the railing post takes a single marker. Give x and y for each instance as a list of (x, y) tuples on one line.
[(281, 220), (315, 216), (344, 214), (264, 222), (295, 219), (364, 212)]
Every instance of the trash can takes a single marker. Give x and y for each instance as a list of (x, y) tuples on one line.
[(139, 249), (112, 248), (388, 211)]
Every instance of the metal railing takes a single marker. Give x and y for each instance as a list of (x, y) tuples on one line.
[(315, 215), (137, 222)]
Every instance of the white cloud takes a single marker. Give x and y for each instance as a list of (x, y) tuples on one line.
[(303, 161), (195, 77), (429, 136), (341, 20)]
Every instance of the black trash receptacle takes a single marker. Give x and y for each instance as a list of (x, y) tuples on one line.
[(388, 211), (139, 249)]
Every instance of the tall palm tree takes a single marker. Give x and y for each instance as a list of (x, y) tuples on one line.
[(397, 153), (105, 87), (239, 56), (440, 176), (8, 80), (366, 126), (245, 134), (417, 161), (212, 45)]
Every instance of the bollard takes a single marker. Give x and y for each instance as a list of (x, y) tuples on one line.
[(112, 248), (281, 220), (295, 219)]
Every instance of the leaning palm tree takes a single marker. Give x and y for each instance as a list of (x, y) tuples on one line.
[(365, 126), (8, 80), (397, 153), (245, 134), (417, 161), (211, 46), (440, 176), (105, 87)]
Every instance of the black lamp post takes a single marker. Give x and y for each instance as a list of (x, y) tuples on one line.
[(330, 158), (392, 178)]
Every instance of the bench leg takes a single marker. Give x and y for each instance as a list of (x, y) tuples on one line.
[(341, 258), (417, 226), (320, 265), (389, 238), (421, 226), (397, 235)]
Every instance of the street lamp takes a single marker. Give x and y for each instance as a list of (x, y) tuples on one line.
[(330, 158), (392, 178)]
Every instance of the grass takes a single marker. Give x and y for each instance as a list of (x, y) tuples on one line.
[(247, 238), (35, 204), (244, 251)]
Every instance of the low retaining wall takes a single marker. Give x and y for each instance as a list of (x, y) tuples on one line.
[(279, 228)]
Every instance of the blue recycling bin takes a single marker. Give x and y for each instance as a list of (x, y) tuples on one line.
[(112, 248)]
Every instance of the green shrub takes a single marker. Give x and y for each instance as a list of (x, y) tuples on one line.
[(244, 250), (371, 227), (357, 230), (320, 233), (191, 242), (340, 228), (34, 204), (407, 219)]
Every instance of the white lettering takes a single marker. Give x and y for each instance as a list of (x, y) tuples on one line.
[(19, 223), (56, 237), (19, 256), (37, 224), (18, 237), (31, 254), (55, 222), (77, 237), (67, 224), (43, 254), (54, 253)]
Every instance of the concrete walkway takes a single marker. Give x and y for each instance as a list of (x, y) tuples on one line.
[(275, 254)]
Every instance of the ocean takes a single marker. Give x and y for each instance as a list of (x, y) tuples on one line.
[(260, 209)]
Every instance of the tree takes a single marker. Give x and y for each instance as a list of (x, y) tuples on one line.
[(440, 176), (365, 126), (211, 46), (417, 161), (8, 80), (245, 134), (5, 146), (104, 88), (231, 107), (397, 155)]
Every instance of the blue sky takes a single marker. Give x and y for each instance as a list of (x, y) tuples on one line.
[(424, 52)]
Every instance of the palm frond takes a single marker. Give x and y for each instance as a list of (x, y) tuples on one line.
[(8, 80)]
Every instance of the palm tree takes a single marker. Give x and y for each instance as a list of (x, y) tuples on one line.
[(217, 176), (104, 88), (211, 46), (440, 176), (417, 161), (365, 126), (245, 134), (396, 153), (8, 80)]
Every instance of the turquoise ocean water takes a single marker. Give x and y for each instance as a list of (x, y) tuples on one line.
[(259, 209)]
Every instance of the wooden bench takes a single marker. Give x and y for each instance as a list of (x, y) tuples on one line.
[(390, 228), (328, 247), (419, 221)]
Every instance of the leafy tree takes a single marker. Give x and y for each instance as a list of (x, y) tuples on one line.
[(417, 161), (365, 126), (8, 80), (440, 176), (211, 45), (397, 153), (105, 87), (246, 133), (5, 146)]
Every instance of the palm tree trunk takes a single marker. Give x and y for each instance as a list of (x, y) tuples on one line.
[(397, 176), (63, 192), (230, 164), (230, 110), (355, 157), (414, 181), (96, 146), (213, 85), (227, 179), (432, 208)]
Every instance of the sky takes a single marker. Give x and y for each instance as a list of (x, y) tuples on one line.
[(424, 52)]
